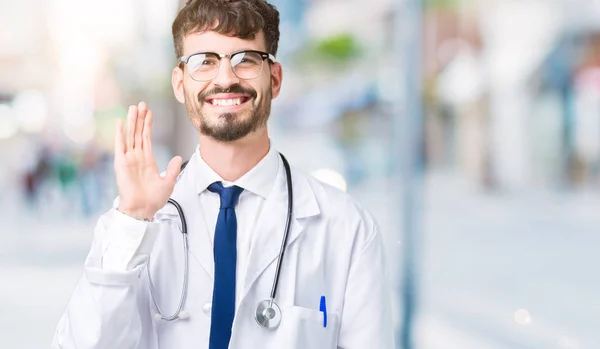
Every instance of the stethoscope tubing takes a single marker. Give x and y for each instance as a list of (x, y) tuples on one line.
[(184, 288), (273, 294), (282, 249)]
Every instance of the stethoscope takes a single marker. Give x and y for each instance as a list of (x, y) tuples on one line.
[(268, 313)]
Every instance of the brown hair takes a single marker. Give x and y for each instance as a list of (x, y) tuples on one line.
[(239, 18)]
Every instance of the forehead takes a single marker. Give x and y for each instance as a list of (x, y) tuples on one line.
[(219, 43)]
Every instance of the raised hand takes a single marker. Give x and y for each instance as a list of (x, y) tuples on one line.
[(142, 191)]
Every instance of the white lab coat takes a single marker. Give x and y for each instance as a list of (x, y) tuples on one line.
[(334, 250)]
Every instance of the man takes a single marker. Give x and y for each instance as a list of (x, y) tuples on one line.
[(332, 287)]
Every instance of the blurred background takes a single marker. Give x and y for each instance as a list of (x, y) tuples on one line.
[(469, 128)]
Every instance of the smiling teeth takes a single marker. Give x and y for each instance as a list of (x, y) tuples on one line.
[(227, 102)]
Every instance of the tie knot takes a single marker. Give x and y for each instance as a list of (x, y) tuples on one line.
[(229, 196)]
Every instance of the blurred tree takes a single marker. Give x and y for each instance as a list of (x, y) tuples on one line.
[(318, 57), (444, 4), (341, 47)]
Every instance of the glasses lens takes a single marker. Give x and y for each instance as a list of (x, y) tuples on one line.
[(247, 65), (203, 66)]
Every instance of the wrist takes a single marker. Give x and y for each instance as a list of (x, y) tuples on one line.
[(140, 215)]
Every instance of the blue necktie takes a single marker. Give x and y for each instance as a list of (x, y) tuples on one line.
[(223, 302)]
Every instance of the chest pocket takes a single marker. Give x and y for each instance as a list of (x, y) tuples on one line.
[(303, 327)]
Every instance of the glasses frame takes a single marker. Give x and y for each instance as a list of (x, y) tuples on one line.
[(264, 55)]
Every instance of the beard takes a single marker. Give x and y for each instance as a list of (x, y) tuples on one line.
[(229, 127)]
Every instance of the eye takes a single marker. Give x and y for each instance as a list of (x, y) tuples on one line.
[(247, 59)]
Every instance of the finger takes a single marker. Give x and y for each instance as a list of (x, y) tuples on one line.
[(147, 134), (139, 125), (119, 138), (131, 119), (173, 169)]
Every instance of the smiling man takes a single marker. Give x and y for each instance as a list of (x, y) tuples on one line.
[(228, 106), (269, 257)]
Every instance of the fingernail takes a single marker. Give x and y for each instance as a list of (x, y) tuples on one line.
[(142, 105)]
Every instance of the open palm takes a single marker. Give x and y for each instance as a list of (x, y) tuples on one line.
[(142, 190)]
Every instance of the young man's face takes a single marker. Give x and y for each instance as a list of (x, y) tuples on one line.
[(227, 107)]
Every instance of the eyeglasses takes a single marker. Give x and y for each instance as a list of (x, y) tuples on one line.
[(246, 64)]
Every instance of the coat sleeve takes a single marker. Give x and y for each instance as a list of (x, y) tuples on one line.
[(110, 305), (367, 311)]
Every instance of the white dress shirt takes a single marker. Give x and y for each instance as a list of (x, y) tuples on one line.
[(125, 248)]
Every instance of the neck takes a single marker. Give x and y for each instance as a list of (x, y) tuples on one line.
[(231, 160)]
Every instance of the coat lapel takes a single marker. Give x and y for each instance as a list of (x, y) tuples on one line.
[(199, 240), (270, 229)]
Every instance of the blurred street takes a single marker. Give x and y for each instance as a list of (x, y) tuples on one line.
[(491, 265), (493, 106), (484, 258)]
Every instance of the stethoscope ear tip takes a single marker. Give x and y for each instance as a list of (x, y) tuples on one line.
[(184, 315), (156, 317)]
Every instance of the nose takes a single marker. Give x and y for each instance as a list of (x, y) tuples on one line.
[(225, 77)]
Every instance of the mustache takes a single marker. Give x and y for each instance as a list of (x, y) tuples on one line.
[(231, 89)]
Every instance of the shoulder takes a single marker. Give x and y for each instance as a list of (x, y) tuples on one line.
[(337, 207), (341, 223)]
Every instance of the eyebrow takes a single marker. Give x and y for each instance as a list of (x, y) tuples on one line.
[(238, 50)]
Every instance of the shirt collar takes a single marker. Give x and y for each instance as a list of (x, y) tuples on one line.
[(259, 180)]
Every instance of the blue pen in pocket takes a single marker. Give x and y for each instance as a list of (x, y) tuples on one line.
[(323, 308)]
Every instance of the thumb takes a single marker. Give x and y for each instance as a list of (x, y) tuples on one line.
[(174, 168)]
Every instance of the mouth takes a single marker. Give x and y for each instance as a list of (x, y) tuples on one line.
[(229, 101)]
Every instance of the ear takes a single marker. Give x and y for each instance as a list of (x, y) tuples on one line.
[(276, 79), (177, 82)]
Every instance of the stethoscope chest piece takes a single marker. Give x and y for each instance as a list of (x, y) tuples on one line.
[(268, 314)]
